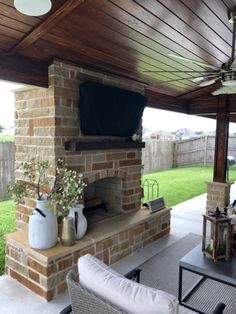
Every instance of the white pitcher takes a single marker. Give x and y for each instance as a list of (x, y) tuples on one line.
[(43, 228), (81, 226)]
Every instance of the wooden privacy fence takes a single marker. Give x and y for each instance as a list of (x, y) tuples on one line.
[(7, 166), (200, 150), (160, 155)]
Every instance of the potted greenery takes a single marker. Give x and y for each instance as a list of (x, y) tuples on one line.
[(54, 194), (67, 190)]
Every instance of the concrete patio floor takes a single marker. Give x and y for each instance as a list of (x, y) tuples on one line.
[(186, 217)]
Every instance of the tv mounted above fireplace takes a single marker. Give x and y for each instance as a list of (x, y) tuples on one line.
[(109, 111)]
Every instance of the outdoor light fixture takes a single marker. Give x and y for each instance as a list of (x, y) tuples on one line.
[(33, 8)]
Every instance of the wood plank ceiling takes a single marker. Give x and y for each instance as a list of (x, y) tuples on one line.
[(129, 38)]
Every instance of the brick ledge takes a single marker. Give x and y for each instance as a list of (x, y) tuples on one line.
[(96, 232)]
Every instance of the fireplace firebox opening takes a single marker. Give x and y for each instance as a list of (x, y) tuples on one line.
[(103, 199)]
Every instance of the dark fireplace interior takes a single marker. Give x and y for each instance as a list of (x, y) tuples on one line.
[(103, 199)]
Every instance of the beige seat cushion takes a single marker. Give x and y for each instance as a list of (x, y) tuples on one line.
[(129, 296)]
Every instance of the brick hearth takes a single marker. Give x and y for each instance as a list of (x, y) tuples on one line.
[(44, 271)]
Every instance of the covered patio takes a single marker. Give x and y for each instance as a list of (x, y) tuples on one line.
[(151, 48)]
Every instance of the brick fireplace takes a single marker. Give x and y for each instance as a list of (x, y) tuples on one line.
[(112, 176), (47, 124)]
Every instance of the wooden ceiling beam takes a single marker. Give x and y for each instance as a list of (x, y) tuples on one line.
[(204, 105), (207, 105), (203, 91), (165, 102), (46, 25), (23, 70)]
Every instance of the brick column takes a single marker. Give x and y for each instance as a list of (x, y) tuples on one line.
[(218, 194), (35, 124)]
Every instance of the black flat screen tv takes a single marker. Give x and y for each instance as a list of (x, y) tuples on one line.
[(109, 111)]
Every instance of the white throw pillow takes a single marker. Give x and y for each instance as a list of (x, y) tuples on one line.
[(129, 296)]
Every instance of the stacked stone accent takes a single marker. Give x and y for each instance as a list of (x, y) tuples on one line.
[(218, 194), (44, 271)]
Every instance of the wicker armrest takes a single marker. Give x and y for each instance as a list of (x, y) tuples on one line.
[(84, 302)]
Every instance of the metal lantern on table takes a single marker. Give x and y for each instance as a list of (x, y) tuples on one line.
[(217, 235)]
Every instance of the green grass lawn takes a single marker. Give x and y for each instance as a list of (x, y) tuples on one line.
[(179, 184), (7, 224), (6, 138)]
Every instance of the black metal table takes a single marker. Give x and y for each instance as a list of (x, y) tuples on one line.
[(213, 276)]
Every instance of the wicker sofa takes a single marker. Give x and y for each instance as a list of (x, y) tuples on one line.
[(85, 300)]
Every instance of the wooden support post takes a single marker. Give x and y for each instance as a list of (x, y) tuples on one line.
[(221, 142)]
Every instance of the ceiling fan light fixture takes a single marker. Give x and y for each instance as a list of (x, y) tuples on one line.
[(33, 8), (229, 79)]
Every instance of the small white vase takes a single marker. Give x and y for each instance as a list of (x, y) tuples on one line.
[(81, 222), (43, 227)]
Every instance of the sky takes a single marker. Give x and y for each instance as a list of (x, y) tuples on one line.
[(156, 120), (7, 103), (153, 119)]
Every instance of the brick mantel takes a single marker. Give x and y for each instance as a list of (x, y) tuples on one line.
[(91, 145)]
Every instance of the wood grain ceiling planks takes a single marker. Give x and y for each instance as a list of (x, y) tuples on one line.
[(92, 38), (158, 26), (47, 24), (129, 38)]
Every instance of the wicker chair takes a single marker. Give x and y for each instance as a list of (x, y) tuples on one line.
[(85, 302)]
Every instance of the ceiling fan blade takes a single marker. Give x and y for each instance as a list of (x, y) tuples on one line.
[(182, 79), (179, 71), (203, 78), (198, 79), (193, 61), (208, 82)]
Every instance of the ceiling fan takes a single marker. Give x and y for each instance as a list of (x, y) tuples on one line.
[(226, 74)]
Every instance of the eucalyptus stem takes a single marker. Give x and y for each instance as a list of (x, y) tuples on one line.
[(38, 187)]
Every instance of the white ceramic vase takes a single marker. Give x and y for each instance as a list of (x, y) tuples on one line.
[(43, 227), (82, 224)]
